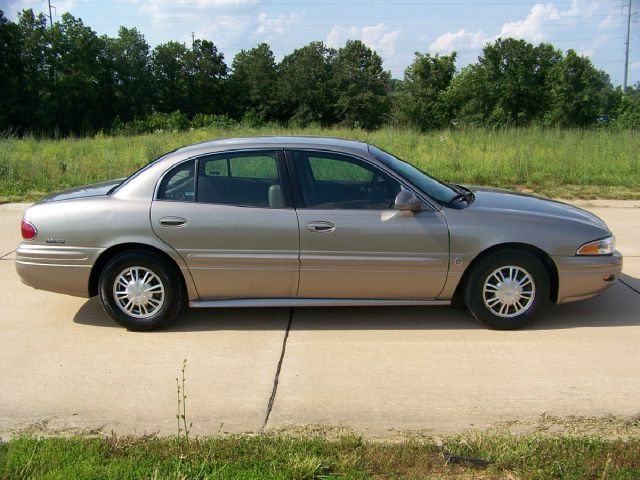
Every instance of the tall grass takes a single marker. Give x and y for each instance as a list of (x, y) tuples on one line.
[(565, 163)]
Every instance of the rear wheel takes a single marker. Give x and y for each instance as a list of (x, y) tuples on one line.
[(506, 290), (140, 290)]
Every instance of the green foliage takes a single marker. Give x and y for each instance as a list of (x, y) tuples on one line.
[(422, 103), (253, 84), (361, 85), (628, 112), (578, 92), (66, 80), (307, 93), (600, 163), (507, 87)]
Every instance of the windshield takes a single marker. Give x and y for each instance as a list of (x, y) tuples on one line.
[(436, 189), (136, 173)]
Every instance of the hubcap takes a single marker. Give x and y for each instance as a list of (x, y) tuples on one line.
[(138, 292), (509, 291)]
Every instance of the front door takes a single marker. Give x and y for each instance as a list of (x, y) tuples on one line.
[(230, 218), (353, 244)]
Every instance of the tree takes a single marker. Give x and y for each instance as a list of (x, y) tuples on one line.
[(361, 84), (253, 84), (206, 72), (422, 100), (506, 87), (306, 91), (74, 102), (11, 74), (170, 74), (579, 93), (628, 108), (130, 63)]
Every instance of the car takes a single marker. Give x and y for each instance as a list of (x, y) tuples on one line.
[(309, 221)]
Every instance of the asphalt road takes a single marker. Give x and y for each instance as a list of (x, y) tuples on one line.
[(68, 368)]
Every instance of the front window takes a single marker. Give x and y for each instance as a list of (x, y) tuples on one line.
[(331, 181)]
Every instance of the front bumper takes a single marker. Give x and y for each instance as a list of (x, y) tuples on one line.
[(56, 268), (583, 277)]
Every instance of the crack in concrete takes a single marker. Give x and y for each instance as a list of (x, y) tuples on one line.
[(631, 287), (6, 254), (276, 379)]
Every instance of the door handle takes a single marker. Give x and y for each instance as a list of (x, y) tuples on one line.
[(320, 227), (173, 221)]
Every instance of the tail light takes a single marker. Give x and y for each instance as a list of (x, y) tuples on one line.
[(29, 232)]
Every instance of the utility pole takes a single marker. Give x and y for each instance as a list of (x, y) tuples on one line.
[(193, 38), (626, 49), (50, 17)]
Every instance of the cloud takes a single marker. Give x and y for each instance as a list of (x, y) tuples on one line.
[(543, 19), (221, 21), (377, 37), (269, 27), (459, 40)]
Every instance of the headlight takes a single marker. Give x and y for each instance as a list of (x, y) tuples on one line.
[(605, 246)]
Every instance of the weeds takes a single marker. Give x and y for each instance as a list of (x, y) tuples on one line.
[(560, 163)]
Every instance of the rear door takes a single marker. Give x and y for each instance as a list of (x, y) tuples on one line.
[(231, 218), (353, 243)]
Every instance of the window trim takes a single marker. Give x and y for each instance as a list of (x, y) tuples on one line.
[(298, 198)]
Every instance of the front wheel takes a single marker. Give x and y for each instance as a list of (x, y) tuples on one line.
[(140, 291), (507, 289)]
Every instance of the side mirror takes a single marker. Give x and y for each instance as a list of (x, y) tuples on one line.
[(406, 201)]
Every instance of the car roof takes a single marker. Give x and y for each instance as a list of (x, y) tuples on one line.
[(281, 141)]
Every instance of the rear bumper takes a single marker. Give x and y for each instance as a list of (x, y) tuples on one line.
[(585, 277), (55, 268)]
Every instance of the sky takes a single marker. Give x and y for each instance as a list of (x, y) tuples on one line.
[(395, 29)]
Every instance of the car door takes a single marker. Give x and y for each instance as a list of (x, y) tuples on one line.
[(231, 218), (353, 243)]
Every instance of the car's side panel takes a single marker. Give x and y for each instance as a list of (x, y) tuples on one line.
[(373, 254), (234, 252), (72, 234), (475, 229)]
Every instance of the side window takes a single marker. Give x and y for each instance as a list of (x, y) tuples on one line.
[(248, 179), (178, 184), (331, 181)]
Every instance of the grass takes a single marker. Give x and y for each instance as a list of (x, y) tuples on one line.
[(284, 456), (558, 163)]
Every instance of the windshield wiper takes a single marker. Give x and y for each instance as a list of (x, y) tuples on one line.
[(463, 194)]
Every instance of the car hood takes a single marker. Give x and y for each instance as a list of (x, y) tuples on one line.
[(508, 201), (93, 190)]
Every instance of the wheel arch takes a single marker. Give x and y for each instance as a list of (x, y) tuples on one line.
[(114, 250), (545, 259)]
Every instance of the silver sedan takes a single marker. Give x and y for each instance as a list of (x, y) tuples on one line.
[(306, 221)]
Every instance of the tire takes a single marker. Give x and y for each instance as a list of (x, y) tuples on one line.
[(495, 299), (152, 302)]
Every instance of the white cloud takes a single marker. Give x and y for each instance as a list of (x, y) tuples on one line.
[(543, 19), (269, 27), (377, 37), (221, 21), (460, 40)]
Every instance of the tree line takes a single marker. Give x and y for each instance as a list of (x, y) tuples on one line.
[(66, 79)]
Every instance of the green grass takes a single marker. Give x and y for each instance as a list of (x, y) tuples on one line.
[(559, 163), (532, 456)]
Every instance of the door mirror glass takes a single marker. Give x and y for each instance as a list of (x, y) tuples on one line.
[(406, 201)]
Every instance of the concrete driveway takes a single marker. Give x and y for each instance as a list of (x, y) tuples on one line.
[(68, 368)]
